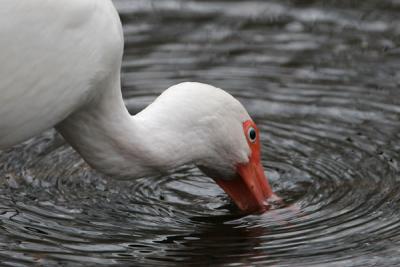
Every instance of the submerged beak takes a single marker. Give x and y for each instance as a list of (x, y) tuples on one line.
[(250, 189)]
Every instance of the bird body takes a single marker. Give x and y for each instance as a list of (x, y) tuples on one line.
[(60, 67), (55, 57)]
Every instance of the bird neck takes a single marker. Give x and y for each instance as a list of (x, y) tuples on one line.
[(118, 144)]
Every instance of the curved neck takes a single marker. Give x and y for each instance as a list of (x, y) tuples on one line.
[(118, 144)]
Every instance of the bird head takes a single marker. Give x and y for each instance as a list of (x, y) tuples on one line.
[(242, 179), (210, 128)]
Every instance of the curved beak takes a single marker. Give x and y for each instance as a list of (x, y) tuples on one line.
[(250, 189)]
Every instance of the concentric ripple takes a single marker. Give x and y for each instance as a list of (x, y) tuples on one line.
[(321, 80)]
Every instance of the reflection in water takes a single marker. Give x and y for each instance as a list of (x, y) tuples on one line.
[(216, 244), (321, 80)]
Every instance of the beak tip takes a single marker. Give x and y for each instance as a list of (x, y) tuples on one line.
[(250, 189)]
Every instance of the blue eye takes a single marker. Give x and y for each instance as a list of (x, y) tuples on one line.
[(252, 134)]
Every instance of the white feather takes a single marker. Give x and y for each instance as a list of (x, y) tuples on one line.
[(54, 57), (60, 66)]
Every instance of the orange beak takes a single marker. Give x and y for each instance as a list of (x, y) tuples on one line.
[(250, 189)]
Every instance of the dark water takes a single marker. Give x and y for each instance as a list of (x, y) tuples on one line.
[(321, 79)]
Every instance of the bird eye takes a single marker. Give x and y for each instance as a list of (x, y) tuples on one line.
[(252, 135)]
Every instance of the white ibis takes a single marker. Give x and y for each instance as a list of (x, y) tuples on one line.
[(60, 67)]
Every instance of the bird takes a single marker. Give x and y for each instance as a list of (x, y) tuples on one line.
[(60, 65)]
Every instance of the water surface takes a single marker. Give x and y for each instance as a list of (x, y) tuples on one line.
[(320, 78)]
